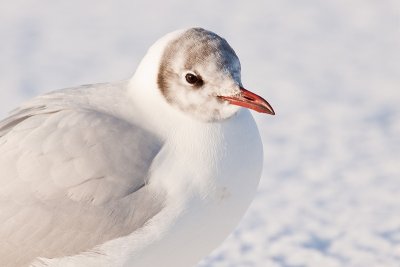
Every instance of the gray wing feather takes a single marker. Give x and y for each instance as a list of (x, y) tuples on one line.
[(70, 179)]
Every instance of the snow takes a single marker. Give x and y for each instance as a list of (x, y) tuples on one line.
[(329, 195)]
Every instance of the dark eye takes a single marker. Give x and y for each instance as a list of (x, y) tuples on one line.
[(192, 78)]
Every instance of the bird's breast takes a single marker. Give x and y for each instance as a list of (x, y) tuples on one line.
[(210, 184)]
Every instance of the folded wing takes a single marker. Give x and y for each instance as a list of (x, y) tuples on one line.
[(70, 179)]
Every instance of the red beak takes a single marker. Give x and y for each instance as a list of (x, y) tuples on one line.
[(250, 100)]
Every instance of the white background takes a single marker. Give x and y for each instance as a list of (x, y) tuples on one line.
[(330, 192)]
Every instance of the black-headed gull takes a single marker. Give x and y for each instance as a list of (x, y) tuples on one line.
[(154, 171)]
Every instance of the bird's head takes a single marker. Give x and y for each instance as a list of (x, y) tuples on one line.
[(199, 74)]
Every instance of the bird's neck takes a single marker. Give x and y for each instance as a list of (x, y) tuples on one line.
[(151, 110)]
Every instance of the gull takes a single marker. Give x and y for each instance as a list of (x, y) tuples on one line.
[(153, 171)]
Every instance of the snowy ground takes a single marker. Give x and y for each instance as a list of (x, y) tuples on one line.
[(330, 193)]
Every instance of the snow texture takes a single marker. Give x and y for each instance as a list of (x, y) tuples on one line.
[(330, 192)]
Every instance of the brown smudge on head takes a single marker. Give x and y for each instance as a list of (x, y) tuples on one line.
[(206, 55), (197, 46)]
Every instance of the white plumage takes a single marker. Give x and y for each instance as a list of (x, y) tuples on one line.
[(123, 174)]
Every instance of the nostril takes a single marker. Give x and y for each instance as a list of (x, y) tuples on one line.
[(248, 98)]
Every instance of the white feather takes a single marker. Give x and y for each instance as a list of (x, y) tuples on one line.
[(114, 175)]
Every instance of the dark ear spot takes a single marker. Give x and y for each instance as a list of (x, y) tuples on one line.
[(162, 77), (165, 72)]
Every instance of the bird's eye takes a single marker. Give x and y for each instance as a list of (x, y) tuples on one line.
[(192, 78)]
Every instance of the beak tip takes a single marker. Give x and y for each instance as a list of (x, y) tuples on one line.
[(268, 109), (270, 112)]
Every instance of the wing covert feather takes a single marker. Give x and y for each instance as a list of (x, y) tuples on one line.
[(70, 179)]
